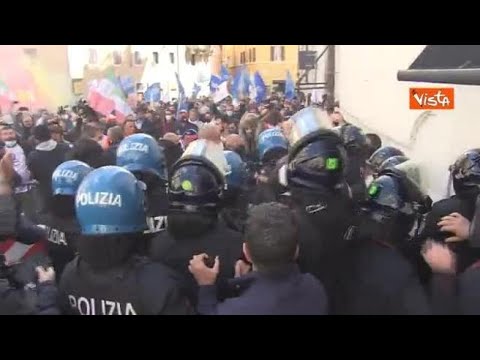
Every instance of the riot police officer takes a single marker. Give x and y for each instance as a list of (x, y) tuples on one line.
[(271, 146), (196, 191), (378, 157), (375, 277), (60, 222), (465, 175), (141, 154), (107, 277), (235, 202), (319, 194), (392, 162), (355, 144)]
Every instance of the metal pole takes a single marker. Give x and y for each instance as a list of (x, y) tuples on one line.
[(330, 75)]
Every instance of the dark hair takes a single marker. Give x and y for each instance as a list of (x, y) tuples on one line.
[(271, 236), (55, 129), (88, 151), (42, 133), (273, 117)]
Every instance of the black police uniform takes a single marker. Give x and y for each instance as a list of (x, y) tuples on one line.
[(466, 255), (62, 236), (324, 221), (139, 287), (157, 208), (177, 253), (235, 215), (377, 280)]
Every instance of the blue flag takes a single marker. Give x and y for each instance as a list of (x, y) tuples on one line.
[(127, 84), (181, 89), (241, 84), (215, 82), (260, 88), (224, 74), (196, 89), (289, 87), (152, 94)]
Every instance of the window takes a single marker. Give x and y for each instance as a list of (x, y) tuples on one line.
[(243, 58), (92, 56), (254, 58), (137, 58), (172, 58), (117, 58), (277, 53), (249, 55), (155, 57)]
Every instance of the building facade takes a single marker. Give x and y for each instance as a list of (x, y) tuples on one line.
[(272, 61), (37, 76), (146, 64)]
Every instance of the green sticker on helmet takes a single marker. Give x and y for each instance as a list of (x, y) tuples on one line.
[(332, 164), (373, 190), (187, 185)]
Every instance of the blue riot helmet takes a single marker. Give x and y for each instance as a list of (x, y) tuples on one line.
[(271, 145), (380, 155), (392, 162), (317, 157), (68, 176), (197, 184), (110, 200), (237, 174), (141, 153), (465, 174), (306, 123), (397, 203)]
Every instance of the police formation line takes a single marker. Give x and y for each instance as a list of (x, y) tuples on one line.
[(326, 224)]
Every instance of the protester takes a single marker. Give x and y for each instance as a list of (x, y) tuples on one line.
[(42, 161), (115, 136), (276, 285), (129, 127), (172, 148)]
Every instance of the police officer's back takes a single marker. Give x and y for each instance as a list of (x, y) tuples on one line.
[(319, 194), (195, 194), (465, 175), (235, 200), (376, 278), (141, 154), (272, 146), (107, 277), (60, 222)]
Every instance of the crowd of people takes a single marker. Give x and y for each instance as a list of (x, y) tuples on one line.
[(234, 208)]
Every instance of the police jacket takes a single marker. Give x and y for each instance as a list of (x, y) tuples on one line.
[(157, 209), (177, 253), (288, 292), (377, 280), (139, 287), (62, 236), (466, 255), (323, 222)]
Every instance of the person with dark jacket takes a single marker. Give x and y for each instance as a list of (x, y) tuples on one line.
[(107, 277), (276, 286), (319, 195), (42, 163), (172, 148), (465, 175), (195, 193), (90, 152), (376, 278)]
